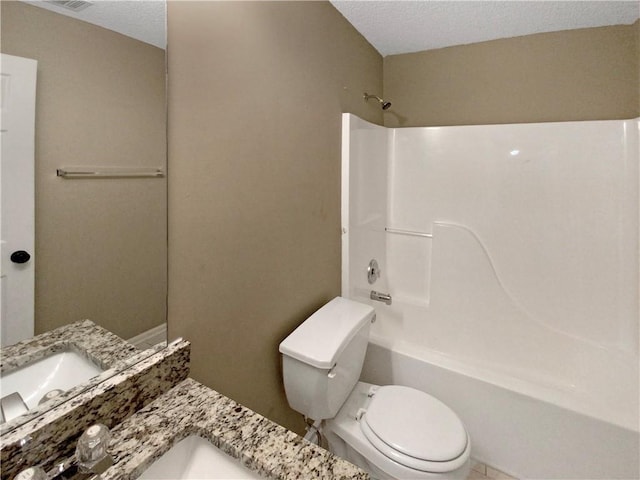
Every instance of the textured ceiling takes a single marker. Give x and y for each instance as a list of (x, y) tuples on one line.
[(399, 26), (404, 26), (141, 19)]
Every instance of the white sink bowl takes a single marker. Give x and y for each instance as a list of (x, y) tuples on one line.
[(196, 458), (60, 371)]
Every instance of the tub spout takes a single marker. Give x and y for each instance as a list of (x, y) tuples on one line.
[(380, 297)]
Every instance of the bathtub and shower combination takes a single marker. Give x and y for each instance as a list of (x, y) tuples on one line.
[(511, 256)]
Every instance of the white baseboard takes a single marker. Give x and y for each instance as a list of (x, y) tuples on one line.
[(151, 337)]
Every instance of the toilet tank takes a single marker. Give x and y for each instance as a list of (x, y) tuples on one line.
[(322, 358)]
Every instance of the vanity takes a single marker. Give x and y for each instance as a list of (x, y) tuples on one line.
[(155, 413), (55, 366), (258, 444)]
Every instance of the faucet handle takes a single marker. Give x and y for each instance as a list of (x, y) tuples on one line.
[(32, 473), (91, 450)]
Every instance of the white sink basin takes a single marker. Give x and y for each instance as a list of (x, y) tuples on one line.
[(60, 371), (196, 458)]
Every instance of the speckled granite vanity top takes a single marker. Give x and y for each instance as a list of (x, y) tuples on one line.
[(104, 349), (191, 408), (84, 337)]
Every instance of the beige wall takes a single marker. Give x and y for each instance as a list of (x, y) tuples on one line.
[(256, 92), (255, 96), (586, 74), (100, 244)]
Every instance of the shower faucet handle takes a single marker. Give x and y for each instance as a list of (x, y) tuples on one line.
[(373, 271)]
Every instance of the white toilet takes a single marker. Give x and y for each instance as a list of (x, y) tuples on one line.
[(393, 432)]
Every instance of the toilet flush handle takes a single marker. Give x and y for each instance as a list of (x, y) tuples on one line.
[(332, 371)]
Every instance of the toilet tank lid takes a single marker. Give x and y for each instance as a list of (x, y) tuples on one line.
[(320, 339)]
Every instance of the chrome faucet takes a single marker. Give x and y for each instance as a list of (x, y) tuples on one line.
[(380, 297), (91, 452), (12, 406), (91, 458)]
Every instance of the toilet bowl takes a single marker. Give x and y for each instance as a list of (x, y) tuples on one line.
[(397, 432), (393, 432)]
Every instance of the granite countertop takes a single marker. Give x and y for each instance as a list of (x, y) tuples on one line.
[(257, 442), (97, 344), (101, 347), (52, 436)]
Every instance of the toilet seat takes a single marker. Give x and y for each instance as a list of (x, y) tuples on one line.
[(414, 429)]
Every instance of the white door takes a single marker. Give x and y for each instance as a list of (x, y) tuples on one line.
[(17, 134)]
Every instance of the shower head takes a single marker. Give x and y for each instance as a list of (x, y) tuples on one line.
[(383, 104)]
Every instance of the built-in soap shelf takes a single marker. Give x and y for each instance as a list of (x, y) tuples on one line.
[(455, 247), (411, 233)]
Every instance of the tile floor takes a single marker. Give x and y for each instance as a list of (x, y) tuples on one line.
[(480, 471)]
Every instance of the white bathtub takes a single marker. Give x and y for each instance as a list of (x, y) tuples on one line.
[(511, 253), (528, 428)]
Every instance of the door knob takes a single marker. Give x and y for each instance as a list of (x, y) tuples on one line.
[(20, 256)]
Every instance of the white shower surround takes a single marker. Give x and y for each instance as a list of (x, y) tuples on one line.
[(521, 310)]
